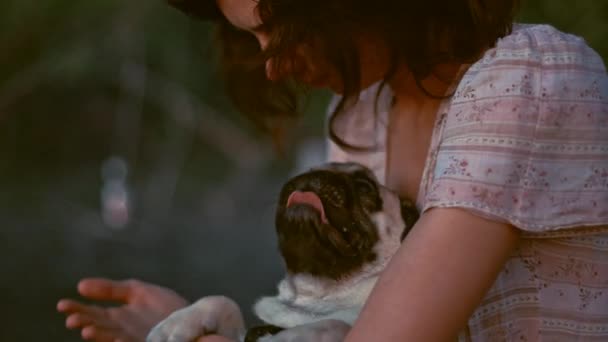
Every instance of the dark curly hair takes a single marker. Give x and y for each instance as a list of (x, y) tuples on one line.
[(421, 34)]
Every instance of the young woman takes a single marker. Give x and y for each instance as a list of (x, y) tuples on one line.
[(499, 131)]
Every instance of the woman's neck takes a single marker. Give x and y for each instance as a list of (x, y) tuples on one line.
[(406, 89)]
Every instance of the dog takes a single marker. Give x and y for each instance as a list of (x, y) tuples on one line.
[(337, 228)]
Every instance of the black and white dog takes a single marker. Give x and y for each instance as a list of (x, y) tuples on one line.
[(337, 228)]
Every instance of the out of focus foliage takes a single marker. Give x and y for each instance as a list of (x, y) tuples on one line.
[(586, 18), (80, 80)]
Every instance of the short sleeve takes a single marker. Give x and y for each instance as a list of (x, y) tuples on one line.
[(525, 138)]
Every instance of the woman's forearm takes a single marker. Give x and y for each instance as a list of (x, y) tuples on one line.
[(436, 279)]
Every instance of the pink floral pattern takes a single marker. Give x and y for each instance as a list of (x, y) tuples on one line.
[(598, 179), (457, 166), (538, 120), (524, 139)]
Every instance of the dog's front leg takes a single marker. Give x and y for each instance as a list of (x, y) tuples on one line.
[(327, 330), (209, 315)]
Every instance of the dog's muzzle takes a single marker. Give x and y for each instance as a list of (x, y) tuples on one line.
[(323, 222)]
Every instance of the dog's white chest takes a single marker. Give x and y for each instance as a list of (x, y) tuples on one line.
[(303, 299)]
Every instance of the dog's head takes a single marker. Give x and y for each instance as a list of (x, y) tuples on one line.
[(335, 219)]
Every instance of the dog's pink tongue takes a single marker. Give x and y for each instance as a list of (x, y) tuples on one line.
[(309, 198)]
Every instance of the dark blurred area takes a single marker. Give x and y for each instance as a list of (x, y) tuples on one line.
[(121, 156)]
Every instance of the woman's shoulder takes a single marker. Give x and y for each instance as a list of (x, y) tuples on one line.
[(540, 49), (542, 38), (532, 63), (524, 136)]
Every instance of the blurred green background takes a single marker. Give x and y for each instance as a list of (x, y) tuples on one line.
[(122, 157)]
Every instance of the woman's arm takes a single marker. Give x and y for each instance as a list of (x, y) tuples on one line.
[(436, 279)]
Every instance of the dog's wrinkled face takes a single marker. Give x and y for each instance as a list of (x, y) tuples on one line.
[(328, 220)]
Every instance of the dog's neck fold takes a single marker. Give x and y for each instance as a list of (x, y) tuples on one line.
[(305, 299)]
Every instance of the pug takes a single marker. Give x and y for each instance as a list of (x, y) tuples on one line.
[(337, 228)]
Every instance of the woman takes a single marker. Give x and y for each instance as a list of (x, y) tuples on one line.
[(498, 131)]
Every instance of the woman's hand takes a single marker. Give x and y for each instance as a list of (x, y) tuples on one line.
[(142, 306)]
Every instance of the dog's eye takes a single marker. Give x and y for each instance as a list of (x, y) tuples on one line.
[(364, 186)]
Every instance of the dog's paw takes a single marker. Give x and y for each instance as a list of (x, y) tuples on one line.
[(209, 315), (181, 326), (328, 330)]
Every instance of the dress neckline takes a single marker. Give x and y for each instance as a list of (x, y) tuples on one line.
[(436, 134)]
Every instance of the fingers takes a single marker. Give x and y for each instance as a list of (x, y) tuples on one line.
[(70, 306), (80, 315), (78, 320), (67, 305), (97, 334), (93, 321), (106, 289), (96, 322)]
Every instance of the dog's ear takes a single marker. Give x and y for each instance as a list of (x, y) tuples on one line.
[(410, 215)]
